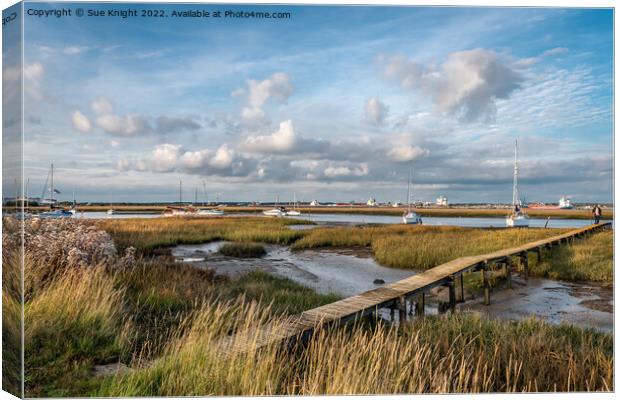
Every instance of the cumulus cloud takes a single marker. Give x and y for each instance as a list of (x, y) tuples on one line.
[(164, 157), (376, 111), (467, 84), (80, 122), (32, 75), (102, 106), (407, 153), (118, 125), (336, 171), (277, 86), (281, 141)]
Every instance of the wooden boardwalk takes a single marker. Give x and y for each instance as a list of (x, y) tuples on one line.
[(396, 295)]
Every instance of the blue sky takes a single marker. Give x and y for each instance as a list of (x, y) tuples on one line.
[(335, 103)]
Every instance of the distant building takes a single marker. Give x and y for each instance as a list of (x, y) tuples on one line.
[(371, 202), (442, 201), (314, 203)]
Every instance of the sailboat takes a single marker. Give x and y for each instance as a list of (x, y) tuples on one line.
[(295, 211), (277, 211), (517, 219), (213, 212), (410, 217), (53, 213), (176, 211)]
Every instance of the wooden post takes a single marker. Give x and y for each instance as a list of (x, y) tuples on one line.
[(462, 286), (402, 310), (419, 305), (507, 268), (525, 265), (538, 255), (392, 312), (452, 295), (485, 284)]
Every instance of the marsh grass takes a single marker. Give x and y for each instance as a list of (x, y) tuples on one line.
[(448, 354), (588, 259), (243, 250), (421, 247), (148, 235)]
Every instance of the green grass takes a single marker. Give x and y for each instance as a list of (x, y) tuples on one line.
[(243, 250)]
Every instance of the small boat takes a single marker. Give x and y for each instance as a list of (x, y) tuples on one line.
[(517, 219), (210, 212), (111, 211), (295, 211), (275, 212), (174, 212), (55, 214), (410, 217)]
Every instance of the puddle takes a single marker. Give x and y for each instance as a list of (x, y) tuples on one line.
[(581, 304)]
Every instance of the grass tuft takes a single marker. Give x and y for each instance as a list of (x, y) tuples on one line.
[(243, 250)]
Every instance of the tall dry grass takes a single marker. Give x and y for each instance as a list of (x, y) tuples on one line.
[(589, 259), (454, 354)]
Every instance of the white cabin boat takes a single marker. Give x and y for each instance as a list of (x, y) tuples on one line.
[(275, 212), (517, 219), (295, 211), (565, 203), (210, 212)]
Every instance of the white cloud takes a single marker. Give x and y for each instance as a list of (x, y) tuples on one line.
[(346, 170), (32, 74), (555, 51), (467, 84), (376, 111), (223, 157), (407, 153), (128, 125), (281, 141), (164, 157), (277, 86), (102, 106), (80, 122)]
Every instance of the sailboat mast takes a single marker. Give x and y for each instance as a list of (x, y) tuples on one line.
[(52, 186), (180, 191), (409, 192), (515, 190)]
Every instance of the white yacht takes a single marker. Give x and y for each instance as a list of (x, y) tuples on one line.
[(210, 212), (565, 203), (276, 211), (517, 218), (410, 217)]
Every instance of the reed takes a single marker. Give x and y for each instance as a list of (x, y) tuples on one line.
[(454, 354)]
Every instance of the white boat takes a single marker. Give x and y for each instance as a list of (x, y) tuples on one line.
[(275, 212), (174, 212), (517, 219), (295, 211), (54, 213), (565, 203), (210, 212), (410, 217)]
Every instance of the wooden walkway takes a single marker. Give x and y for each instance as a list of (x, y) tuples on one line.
[(395, 296)]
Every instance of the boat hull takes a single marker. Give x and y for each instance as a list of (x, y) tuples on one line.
[(273, 213), (517, 222), (412, 219)]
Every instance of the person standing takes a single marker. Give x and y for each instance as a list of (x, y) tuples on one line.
[(596, 213)]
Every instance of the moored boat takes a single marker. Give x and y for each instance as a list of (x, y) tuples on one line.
[(410, 217), (517, 219)]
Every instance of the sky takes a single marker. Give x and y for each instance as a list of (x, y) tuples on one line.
[(333, 103)]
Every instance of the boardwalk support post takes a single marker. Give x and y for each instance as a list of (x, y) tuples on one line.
[(452, 295), (462, 287), (507, 268), (419, 305), (525, 265), (485, 284), (402, 310)]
